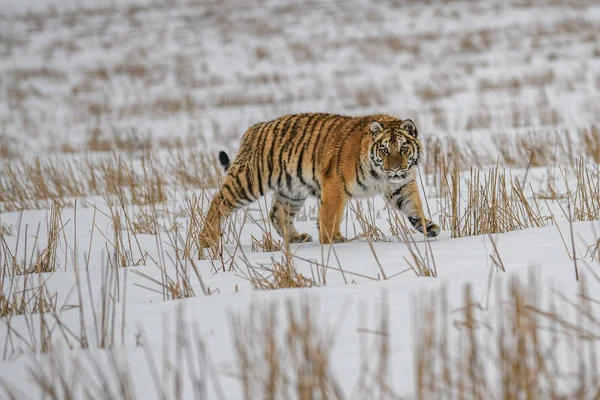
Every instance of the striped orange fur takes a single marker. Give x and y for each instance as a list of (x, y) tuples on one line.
[(331, 157)]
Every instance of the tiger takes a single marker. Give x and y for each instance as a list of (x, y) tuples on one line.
[(328, 156)]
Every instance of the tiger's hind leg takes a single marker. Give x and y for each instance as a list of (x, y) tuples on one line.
[(239, 190), (220, 209), (283, 212)]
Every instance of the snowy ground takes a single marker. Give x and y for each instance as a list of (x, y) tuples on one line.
[(352, 284), (93, 76)]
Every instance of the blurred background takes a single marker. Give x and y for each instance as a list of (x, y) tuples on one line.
[(101, 75)]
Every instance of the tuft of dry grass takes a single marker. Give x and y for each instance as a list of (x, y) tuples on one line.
[(495, 203), (366, 219), (591, 138), (34, 261), (266, 244), (280, 274), (293, 364)]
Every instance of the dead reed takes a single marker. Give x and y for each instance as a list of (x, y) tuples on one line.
[(518, 351), (493, 202)]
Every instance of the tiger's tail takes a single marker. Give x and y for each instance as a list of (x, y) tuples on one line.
[(224, 160)]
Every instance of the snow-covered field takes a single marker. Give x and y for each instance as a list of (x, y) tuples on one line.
[(103, 294)]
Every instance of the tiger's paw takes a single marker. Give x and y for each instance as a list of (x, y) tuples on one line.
[(301, 238), (340, 239), (433, 230)]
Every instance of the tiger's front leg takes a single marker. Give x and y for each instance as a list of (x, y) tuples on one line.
[(407, 199), (333, 202)]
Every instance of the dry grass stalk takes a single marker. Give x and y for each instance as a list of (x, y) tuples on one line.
[(515, 357), (20, 294), (594, 251)]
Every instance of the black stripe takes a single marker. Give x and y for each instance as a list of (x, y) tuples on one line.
[(254, 142), (416, 222), (358, 171), (331, 128), (231, 192), (316, 153), (344, 141), (307, 131), (312, 153), (227, 203), (336, 124), (288, 181), (260, 159), (250, 180), (299, 173), (273, 149), (294, 138), (291, 199), (242, 192), (346, 191), (288, 146), (401, 202), (284, 130), (398, 191)]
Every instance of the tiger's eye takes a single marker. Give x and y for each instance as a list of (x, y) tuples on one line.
[(384, 151)]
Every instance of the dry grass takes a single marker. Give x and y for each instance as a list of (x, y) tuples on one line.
[(143, 178), (521, 354), (33, 259), (366, 217), (495, 203), (516, 347), (176, 270), (422, 263), (279, 274), (298, 366), (108, 374), (518, 150)]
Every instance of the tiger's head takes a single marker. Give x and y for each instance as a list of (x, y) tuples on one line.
[(395, 149)]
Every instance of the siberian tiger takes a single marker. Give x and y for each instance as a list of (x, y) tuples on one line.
[(331, 157)]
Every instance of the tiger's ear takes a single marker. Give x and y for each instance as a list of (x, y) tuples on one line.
[(376, 128), (409, 127)]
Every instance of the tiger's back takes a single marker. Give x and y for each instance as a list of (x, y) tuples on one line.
[(287, 153)]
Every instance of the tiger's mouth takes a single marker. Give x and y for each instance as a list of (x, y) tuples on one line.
[(397, 175)]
